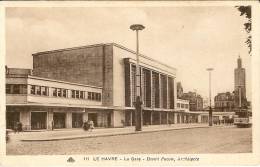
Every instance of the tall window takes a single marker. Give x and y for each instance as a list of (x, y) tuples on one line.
[(8, 89), (16, 89), (44, 90), (59, 92), (33, 89), (73, 93), (81, 94), (89, 95), (64, 93), (54, 93), (38, 90), (77, 94)]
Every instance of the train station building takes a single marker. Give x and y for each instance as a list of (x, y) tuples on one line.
[(94, 82)]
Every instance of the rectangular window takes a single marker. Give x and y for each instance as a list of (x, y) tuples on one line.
[(16, 89), (77, 94), (33, 89), (89, 95), (178, 105), (99, 96), (73, 93), (182, 105), (8, 89), (92, 96), (64, 93), (81, 95), (23, 89), (38, 90), (59, 92), (54, 93), (44, 90)]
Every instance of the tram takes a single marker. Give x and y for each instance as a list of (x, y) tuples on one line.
[(243, 118)]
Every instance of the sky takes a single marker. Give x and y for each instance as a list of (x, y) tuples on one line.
[(188, 38)]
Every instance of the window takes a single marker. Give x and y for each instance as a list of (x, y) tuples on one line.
[(77, 94), (182, 105), (178, 105), (99, 96), (73, 93), (54, 93), (89, 95), (64, 93), (16, 89), (44, 90), (23, 89), (38, 90), (33, 89), (92, 96), (81, 95), (59, 92), (8, 89)]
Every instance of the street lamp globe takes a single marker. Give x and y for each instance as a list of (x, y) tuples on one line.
[(136, 27)]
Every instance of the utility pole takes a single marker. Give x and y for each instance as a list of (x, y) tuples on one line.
[(210, 109), (138, 102)]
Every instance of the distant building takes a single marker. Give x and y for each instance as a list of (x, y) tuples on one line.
[(179, 90), (205, 102), (224, 102), (195, 101), (240, 85)]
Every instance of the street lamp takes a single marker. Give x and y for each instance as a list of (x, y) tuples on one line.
[(210, 109), (138, 102)]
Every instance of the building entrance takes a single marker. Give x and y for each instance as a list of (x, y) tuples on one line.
[(93, 117), (38, 120), (77, 120), (11, 119), (59, 120)]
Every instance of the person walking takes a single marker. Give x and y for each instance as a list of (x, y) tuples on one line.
[(91, 125)]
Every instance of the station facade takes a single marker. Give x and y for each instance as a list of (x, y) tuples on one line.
[(95, 82)]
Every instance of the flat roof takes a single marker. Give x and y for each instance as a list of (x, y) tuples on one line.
[(98, 45)]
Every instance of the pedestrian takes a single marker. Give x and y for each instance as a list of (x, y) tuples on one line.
[(52, 125), (91, 125), (85, 125), (19, 127)]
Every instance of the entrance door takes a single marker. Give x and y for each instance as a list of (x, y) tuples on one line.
[(11, 119), (38, 120), (77, 120), (93, 117), (59, 120)]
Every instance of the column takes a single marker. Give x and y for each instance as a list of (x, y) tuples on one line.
[(160, 95), (167, 118), (85, 116), (131, 118), (167, 93), (160, 117), (68, 119), (131, 85), (49, 119), (28, 89), (151, 78), (175, 118), (151, 117), (174, 93), (199, 118)]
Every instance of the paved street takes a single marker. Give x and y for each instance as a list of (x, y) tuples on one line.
[(220, 139)]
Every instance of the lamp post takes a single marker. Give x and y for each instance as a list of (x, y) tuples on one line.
[(138, 102), (210, 109)]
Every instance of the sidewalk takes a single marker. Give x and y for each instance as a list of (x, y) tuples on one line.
[(68, 134)]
